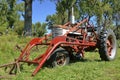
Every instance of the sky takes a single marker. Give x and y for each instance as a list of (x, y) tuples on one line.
[(40, 10)]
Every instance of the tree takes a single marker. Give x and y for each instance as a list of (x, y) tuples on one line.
[(28, 18), (19, 29), (63, 12), (3, 11), (116, 11), (9, 13), (39, 29)]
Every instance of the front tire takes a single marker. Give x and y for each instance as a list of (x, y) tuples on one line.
[(59, 57), (107, 46)]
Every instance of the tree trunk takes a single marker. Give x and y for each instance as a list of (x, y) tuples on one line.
[(69, 14), (28, 18)]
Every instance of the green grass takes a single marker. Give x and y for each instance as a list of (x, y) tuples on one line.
[(92, 68)]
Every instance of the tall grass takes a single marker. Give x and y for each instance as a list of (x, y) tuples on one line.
[(91, 68), (8, 49)]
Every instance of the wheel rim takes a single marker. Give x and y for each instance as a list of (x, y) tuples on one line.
[(61, 59), (110, 46)]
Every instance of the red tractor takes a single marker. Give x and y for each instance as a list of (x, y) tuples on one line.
[(69, 40)]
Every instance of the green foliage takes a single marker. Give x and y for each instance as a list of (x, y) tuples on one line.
[(19, 26), (63, 12), (9, 14), (3, 27), (3, 11), (117, 32), (39, 29), (10, 18), (98, 8), (105, 11)]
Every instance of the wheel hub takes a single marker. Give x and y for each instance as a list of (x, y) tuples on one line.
[(109, 46), (61, 59)]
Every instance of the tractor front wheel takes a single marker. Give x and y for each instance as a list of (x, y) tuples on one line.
[(59, 57)]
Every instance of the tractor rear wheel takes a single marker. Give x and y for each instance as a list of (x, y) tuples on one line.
[(107, 46), (59, 57)]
